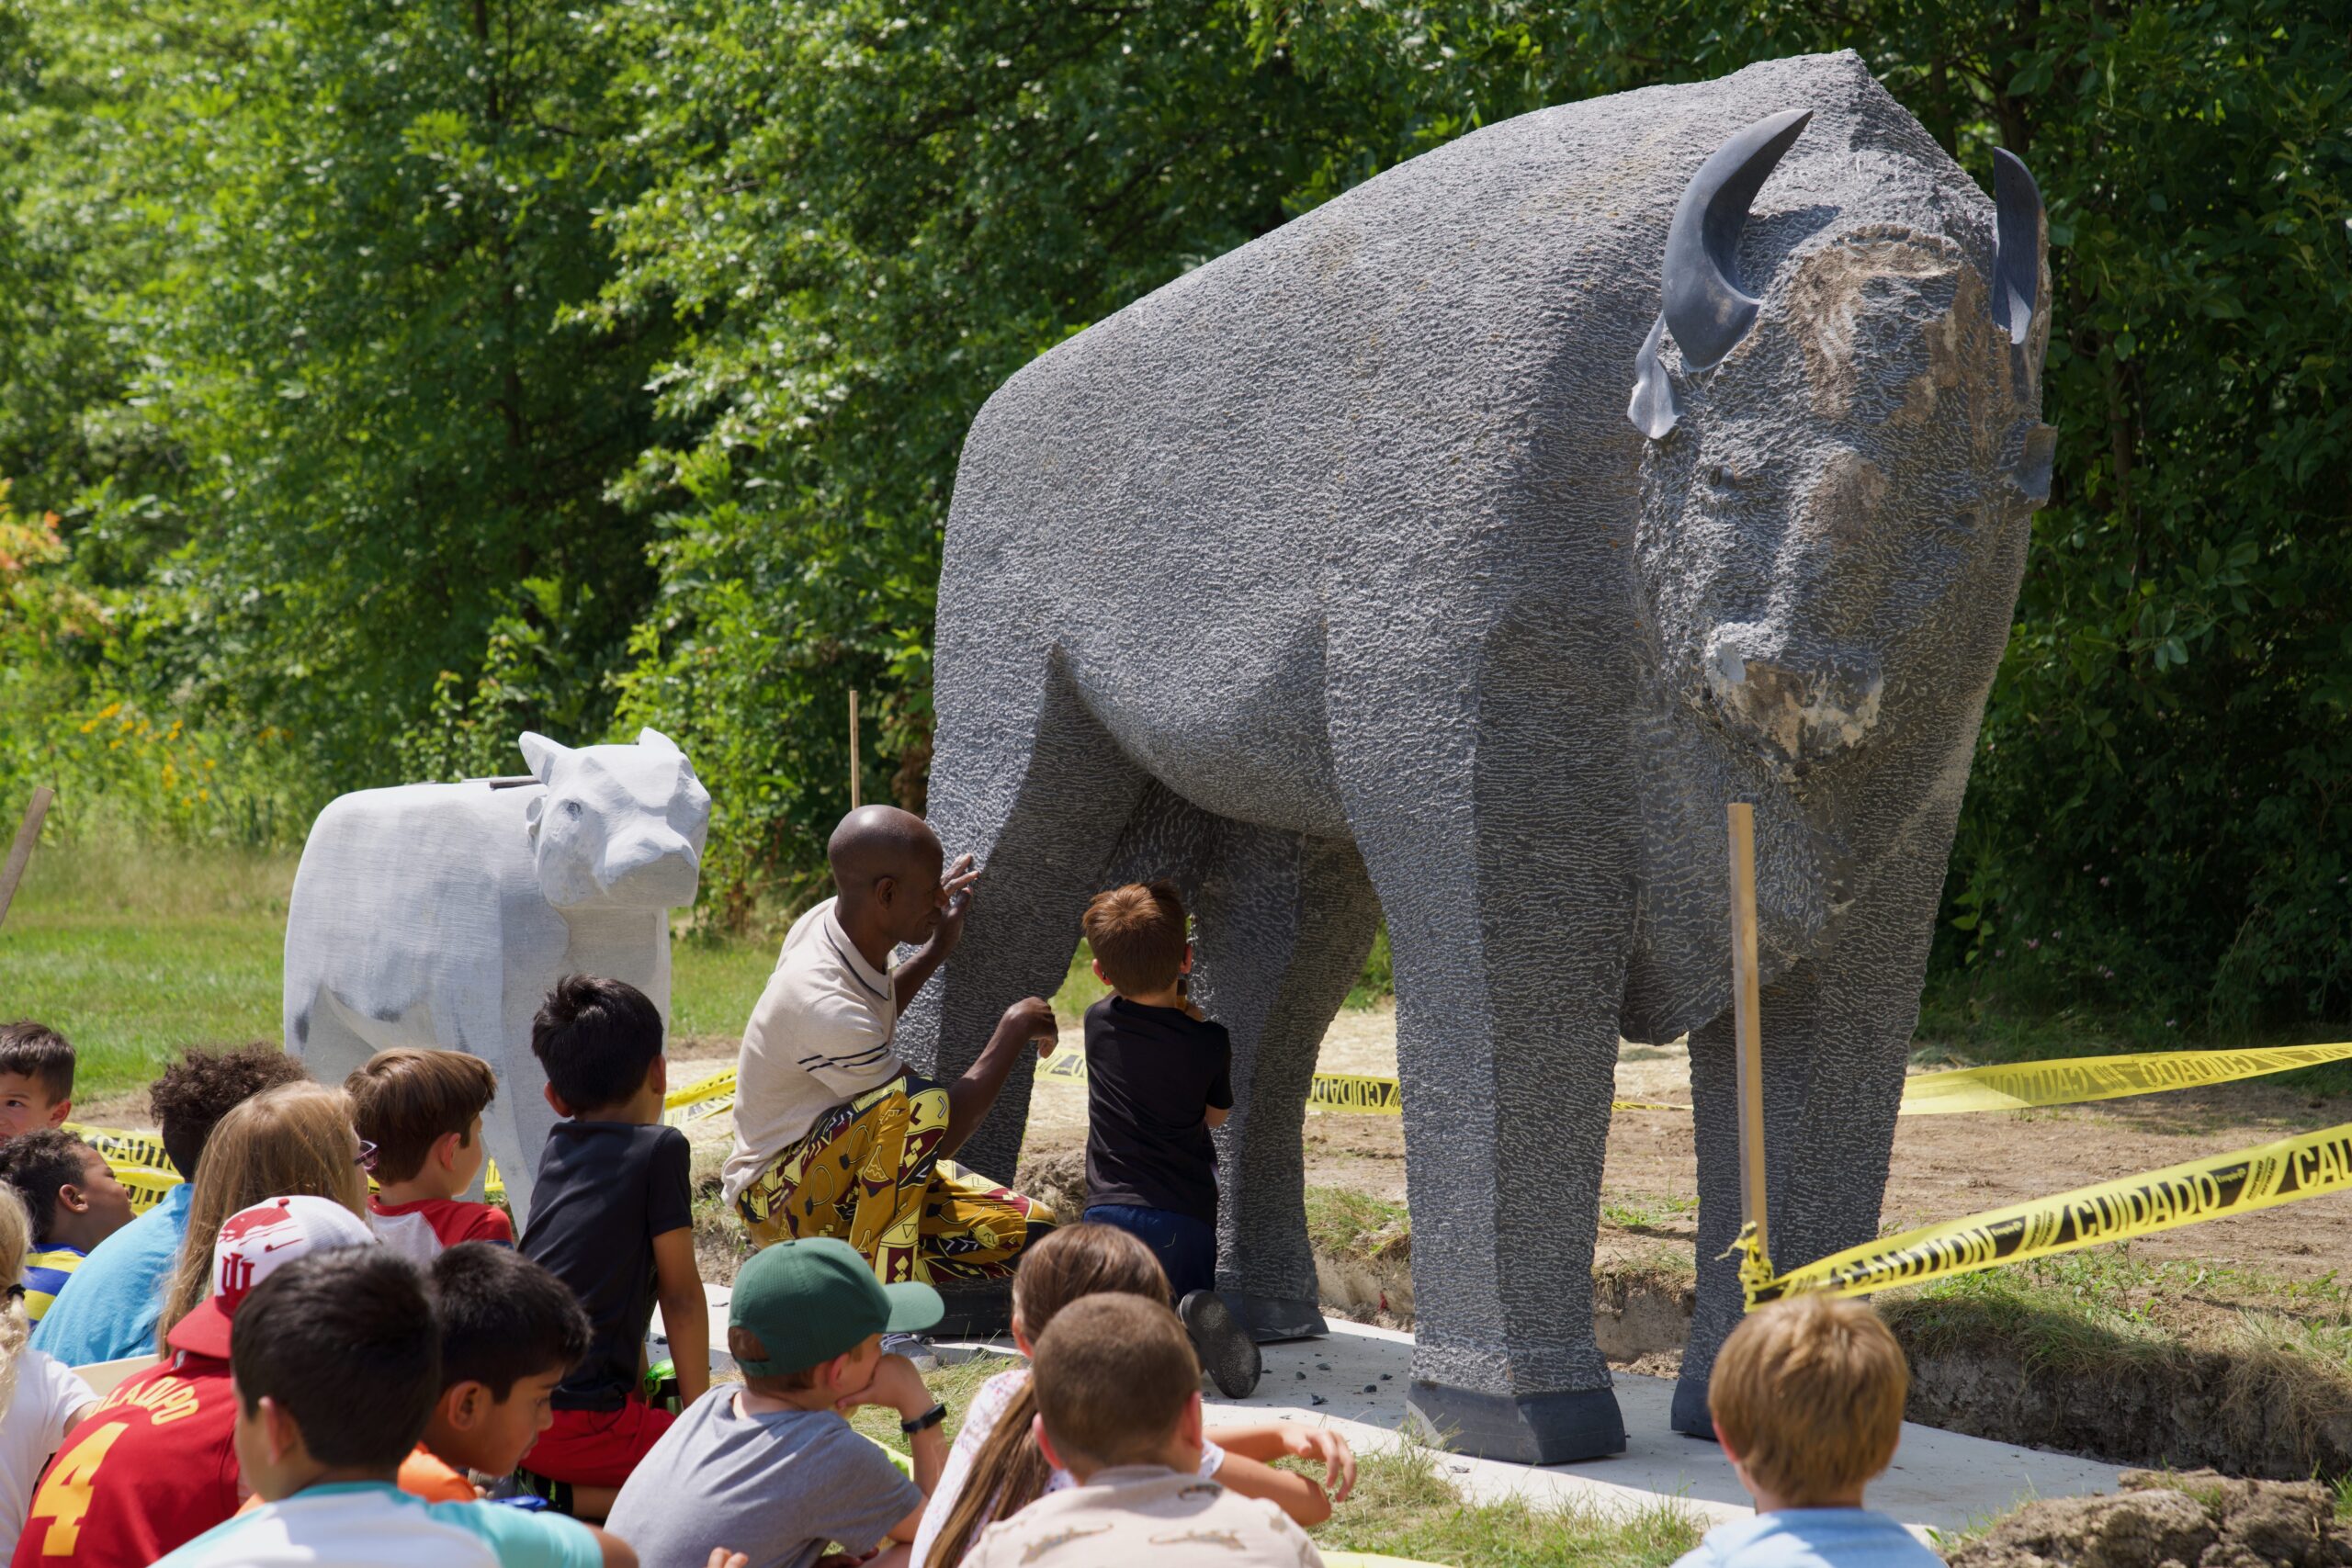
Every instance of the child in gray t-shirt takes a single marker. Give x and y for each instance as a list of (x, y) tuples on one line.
[(771, 1469)]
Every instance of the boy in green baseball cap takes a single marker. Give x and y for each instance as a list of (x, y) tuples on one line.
[(772, 1470)]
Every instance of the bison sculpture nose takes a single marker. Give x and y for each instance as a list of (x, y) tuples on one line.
[(1803, 714)]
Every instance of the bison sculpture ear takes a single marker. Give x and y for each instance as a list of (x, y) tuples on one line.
[(542, 754), (2017, 243), (1705, 307)]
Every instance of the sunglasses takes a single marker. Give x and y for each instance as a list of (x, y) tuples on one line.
[(367, 1160)]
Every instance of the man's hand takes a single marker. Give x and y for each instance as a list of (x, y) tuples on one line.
[(722, 1558), (956, 891), (1328, 1449), (895, 1383), (1031, 1018)]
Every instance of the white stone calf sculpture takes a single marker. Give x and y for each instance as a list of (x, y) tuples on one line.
[(440, 915)]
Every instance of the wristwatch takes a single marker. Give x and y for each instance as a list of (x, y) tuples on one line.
[(924, 1422)]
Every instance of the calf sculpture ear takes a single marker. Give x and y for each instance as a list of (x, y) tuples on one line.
[(2017, 243), (542, 754), (1704, 307)]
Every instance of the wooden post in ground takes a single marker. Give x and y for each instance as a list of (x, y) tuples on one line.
[(21, 853), (855, 761), (1749, 1028)]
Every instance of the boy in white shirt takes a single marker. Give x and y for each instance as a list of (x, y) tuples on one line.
[(1119, 1407)]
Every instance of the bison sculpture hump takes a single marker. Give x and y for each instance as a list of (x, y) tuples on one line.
[(1455, 553)]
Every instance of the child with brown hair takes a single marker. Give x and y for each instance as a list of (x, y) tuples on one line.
[(1119, 1407), (1808, 1399), (1158, 1079), (296, 1139), (423, 1111), (36, 1077), (996, 1468)]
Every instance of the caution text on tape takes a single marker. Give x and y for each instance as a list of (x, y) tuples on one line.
[(2288, 1170)]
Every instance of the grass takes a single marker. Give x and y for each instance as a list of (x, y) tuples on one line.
[(1404, 1507), (136, 953), (1355, 1224), (1636, 1212)]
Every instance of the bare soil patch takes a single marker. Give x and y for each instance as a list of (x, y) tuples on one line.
[(2196, 1520), (1944, 1166)]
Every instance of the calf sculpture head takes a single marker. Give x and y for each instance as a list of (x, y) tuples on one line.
[(1829, 463), (616, 825)]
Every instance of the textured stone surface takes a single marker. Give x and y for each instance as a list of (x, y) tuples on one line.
[(1334, 569), (440, 915)]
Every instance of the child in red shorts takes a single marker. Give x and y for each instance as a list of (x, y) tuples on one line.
[(612, 1216)]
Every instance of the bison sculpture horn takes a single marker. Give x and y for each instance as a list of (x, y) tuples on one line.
[(1705, 307)]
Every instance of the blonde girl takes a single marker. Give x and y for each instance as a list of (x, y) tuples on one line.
[(297, 1138), (42, 1398), (996, 1469)]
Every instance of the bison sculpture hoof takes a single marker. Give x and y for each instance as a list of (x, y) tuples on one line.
[(1271, 1319), (1531, 1429)]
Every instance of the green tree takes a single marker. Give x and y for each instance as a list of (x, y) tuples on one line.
[(867, 218), (401, 446)]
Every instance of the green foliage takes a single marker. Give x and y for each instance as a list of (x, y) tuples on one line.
[(2158, 805), (403, 375)]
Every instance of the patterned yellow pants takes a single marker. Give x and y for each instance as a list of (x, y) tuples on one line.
[(869, 1174)]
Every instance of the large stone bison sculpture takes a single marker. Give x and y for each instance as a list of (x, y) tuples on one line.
[(1457, 551)]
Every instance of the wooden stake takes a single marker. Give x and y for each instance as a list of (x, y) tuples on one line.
[(854, 761), (1744, 1011), (21, 852)]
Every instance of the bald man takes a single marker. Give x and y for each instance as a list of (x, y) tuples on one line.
[(835, 1135)]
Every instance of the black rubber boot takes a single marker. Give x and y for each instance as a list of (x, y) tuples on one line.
[(1228, 1353)]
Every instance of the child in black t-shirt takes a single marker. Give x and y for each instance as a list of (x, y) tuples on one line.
[(612, 1216), (1158, 1078)]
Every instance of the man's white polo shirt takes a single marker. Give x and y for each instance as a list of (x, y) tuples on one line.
[(819, 1037)]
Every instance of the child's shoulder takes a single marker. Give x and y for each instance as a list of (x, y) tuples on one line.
[(1809, 1538)]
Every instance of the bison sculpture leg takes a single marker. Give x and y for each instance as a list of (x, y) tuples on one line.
[(1836, 1035), (1040, 798), (1504, 853)]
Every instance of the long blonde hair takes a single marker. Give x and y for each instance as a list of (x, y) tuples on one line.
[(16, 1240), (296, 1138), (1011, 1470)]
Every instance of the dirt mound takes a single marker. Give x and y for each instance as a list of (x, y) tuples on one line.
[(2162, 1520), (2250, 1405)]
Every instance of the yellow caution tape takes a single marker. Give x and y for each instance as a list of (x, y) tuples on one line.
[(2075, 1080), (2310, 1165), (1363, 1094), (140, 1164)]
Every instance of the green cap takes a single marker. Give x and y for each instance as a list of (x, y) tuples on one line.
[(810, 1301)]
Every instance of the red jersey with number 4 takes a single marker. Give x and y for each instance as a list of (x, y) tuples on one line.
[(154, 1467)]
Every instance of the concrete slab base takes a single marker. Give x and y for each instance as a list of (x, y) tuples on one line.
[(1358, 1379)]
